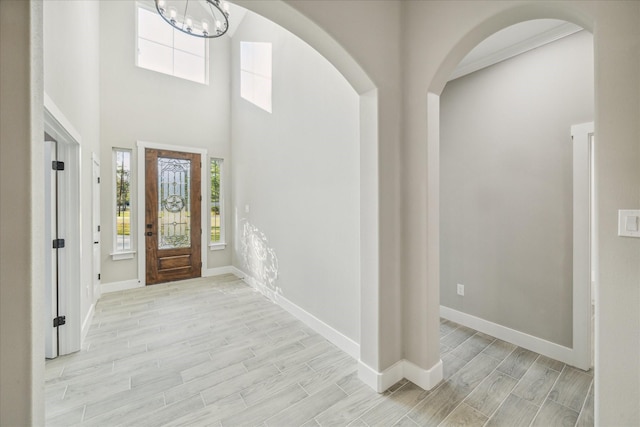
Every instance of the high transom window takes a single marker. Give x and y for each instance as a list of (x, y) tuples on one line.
[(166, 50)]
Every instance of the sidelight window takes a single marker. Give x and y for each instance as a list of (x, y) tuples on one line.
[(123, 224), (216, 235)]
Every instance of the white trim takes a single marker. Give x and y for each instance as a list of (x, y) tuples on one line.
[(381, 381), (107, 288), (423, 378), (87, 324), (64, 124), (336, 337), (118, 256), (582, 245), (59, 127), (140, 201), (239, 273), (539, 345), (531, 43), (218, 271)]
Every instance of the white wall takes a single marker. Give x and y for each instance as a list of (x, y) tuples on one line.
[(506, 187), (297, 170), (142, 105), (71, 79)]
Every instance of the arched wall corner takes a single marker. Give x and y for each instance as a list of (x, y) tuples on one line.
[(288, 17), (292, 20), (499, 21), (443, 70)]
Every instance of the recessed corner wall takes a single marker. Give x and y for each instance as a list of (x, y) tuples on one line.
[(506, 187)]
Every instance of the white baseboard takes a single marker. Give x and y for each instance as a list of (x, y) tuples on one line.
[(423, 378), (218, 271), (336, 337), (539, 345), (86, 324), (120, 286), (381, 381), (241, 274)]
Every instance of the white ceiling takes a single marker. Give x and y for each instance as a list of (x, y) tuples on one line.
[(513, 41)]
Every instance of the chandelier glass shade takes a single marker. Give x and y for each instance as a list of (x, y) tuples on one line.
[(200, 18)]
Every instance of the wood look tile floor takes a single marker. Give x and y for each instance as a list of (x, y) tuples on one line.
[(213, 352)]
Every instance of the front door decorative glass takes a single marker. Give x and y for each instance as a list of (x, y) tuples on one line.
[(174, 213)]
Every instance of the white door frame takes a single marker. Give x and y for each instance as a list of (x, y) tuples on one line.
[(95, 230), (584, 257), (69, 289), (50, 255), (141, 203)]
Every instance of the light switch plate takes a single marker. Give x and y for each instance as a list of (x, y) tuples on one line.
[(629, 222)]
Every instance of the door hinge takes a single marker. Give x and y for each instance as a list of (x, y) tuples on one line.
[(98, 180), (98, 276), (98, 228), (59, 321), (58, 243), (57, 166)]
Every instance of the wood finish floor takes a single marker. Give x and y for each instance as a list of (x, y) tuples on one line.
[(213, 352)]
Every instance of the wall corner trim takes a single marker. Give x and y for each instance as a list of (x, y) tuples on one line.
[(218, 271), (87, 324), (336, 337), (423, 378), (381, 381), (106, 288)]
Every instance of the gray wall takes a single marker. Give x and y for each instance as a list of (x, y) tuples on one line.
[(298, 171), (506, 187), (142, 105)]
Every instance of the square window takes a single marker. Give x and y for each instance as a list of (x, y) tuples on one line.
[(256, 73), (167, 50)]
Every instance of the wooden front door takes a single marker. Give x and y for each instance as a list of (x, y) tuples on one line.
[(173, 216)]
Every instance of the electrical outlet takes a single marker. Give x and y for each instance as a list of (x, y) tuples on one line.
[(460, 289)]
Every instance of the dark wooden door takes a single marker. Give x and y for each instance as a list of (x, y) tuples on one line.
[(173, 216)]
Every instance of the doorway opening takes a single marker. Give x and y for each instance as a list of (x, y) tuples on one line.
[(62, 286), (514, 201)]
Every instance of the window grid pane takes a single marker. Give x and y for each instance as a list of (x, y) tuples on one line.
[(123, 200), (216, 216), (169, 51), (256, 66)]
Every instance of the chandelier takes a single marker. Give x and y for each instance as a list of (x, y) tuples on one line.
[(200, 18)]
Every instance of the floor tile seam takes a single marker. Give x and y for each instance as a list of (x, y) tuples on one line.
[(584, 403), (429, 393), (505, 358), (488, 375), (462, 402), (546, 397)]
